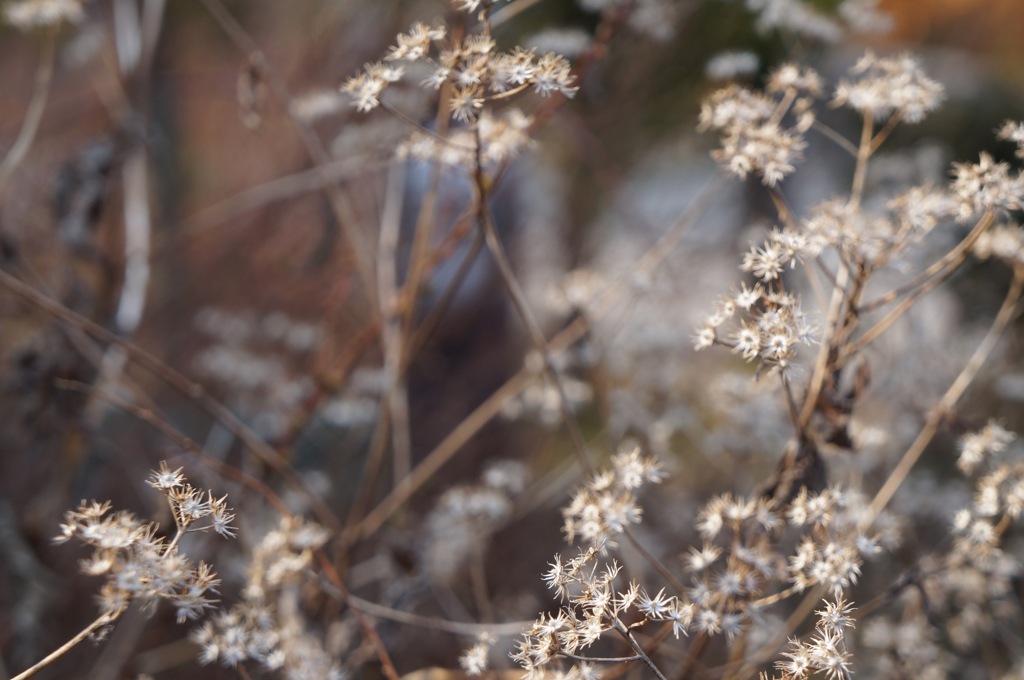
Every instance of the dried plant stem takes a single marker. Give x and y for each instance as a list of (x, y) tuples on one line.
[(150, 417), (190, 390), (426, 222), (791, 407), (391, 323), (640, 653), (697, 649), (949, 399), (860, 171), (600, 659), (522, 307), (267, 193), (313, 144), (387, 666), (103, 620), (841, 141), (491, 406), (370, 474), (770, 648), (450, 445), (507, 629), (433, 321), (654, 561), (34, 115), (478, 581), (883, 134), (942, 267), (821, 362), (834, 320), (769, 600), (511, 10)]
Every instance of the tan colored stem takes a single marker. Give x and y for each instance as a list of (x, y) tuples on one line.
[(949, 399), (34, 114), (104, 619)]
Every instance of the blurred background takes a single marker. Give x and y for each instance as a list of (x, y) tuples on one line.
[(198, 185)]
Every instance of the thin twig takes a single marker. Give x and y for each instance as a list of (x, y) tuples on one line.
[(949, 261), (387, 666), (104, 619), (600, 659), (391, 324), (611, 295), (949, 399), (522, 307), (507, 629), (161, 424), (861, 170), (34, 114), (831, 134), (628, 635), (883, 134), (313, 144), (654, 562), (191, 390)]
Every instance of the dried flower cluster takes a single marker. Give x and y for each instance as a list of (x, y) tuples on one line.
[(473, 67), (759, 551), (998, 496), (805, 19), (541, 400), (827, 652), (265, 627), (755, 138), (461, 523), (735, 574), (772, 324), (605, 507), (29, 14), (141, 566), (886, 87), (595, 606)]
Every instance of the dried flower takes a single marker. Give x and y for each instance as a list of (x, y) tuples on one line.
[(28, 14), (887, 86)]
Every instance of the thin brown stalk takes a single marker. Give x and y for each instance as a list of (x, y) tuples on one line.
[(640, 653), (860, 172), (949, 399), (313, 144), (947, 262), (831, 134), (262, 195), (940, 274), (387, 665), (447, 448), (153, 419), (491, 406), (794, 620), (522, 307), (508, 628), (190, 390), (391, 324), (654, 562), (478, 581), (883, 134), (600, 659), (104, 619), (34, 114), (821, 362), (697, 649)]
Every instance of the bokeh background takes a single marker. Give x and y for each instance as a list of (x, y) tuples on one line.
[(253, 293)]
